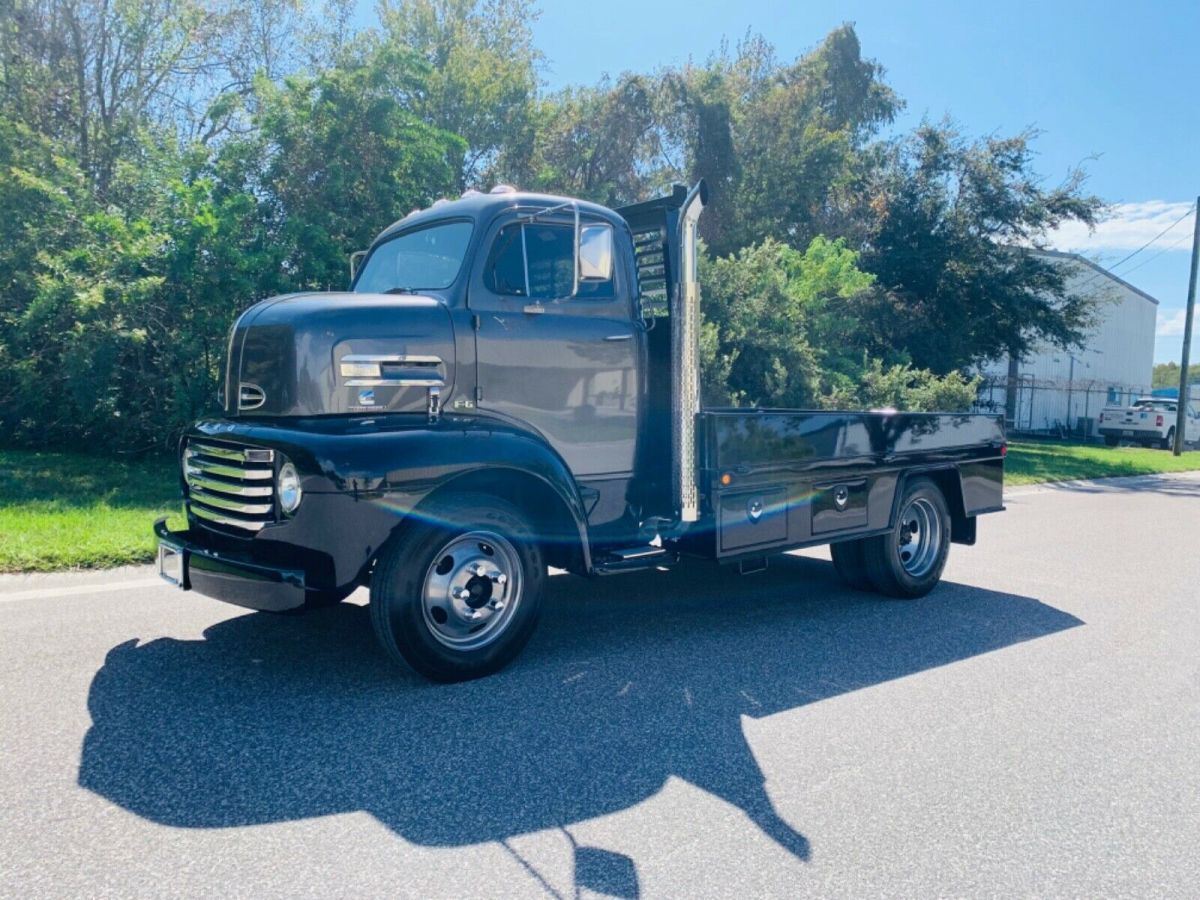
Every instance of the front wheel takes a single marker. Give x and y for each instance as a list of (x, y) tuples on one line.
[(457, 591), (908, 561)]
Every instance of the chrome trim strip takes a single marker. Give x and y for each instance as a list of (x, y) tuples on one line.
[(392, 358), (210, 516), (223, 503), (195, 447), (204, 466), (250, 396), (196, 480), (408, 381)]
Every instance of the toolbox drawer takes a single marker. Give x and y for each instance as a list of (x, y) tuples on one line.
[(752, 518), (838, 505)]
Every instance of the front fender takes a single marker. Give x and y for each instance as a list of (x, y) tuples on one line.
[(388, 465)]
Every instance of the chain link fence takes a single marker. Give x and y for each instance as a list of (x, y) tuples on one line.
[(1050, 407)]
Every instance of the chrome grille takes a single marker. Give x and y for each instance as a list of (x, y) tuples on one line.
[(230, 486)]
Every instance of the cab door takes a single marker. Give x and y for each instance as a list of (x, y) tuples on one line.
[(567, 366)]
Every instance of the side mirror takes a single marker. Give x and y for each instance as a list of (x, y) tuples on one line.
[(595, 253), (355, 258)]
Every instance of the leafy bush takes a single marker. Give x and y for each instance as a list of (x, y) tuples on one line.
[(783, 328), (903, 387)]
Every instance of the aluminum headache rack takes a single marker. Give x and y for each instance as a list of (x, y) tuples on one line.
[(665, 246)]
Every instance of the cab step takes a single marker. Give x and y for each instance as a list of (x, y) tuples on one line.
[(634, 559)]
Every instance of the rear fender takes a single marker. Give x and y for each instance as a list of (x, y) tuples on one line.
[(949, 481)]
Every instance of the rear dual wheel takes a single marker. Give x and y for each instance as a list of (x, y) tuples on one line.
[(457, 591), (907, 562)]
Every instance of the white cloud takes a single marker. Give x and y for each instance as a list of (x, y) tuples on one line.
[(1170, 323), (1128, 227)]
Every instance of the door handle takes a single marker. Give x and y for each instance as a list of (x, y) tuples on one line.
[(618, 337)]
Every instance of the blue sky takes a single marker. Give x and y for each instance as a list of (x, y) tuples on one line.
[(1115, 86)]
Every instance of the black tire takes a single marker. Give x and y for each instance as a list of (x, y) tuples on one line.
[(1111, 440), (850, 564), (409, 629), (889, 570), (1168, 443)]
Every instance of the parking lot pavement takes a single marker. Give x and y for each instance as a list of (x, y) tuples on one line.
[(1032, 727)]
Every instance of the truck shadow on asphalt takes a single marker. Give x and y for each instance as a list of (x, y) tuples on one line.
[(628, 681)]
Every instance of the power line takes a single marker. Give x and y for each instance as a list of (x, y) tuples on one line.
[(1111, 270), (1150, 259), (1186, 213)]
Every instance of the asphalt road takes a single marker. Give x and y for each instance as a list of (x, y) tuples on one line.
[(1031, 728)]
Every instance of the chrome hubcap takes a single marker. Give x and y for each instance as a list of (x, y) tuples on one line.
[(472, 589), (919, 537)]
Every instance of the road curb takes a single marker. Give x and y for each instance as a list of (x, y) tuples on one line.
[(1114, 481)]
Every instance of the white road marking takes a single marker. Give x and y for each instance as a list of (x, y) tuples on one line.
[(81, 589)]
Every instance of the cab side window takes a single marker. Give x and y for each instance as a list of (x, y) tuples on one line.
[(537, 261)]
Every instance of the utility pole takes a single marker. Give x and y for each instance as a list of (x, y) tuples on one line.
[(1182, 406)]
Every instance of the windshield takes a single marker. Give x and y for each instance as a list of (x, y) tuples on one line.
[(426, 259)]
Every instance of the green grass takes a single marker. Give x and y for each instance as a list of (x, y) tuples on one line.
[(1031, 462), (70, 511)]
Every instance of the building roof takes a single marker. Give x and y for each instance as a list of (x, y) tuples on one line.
[(1059, 254)]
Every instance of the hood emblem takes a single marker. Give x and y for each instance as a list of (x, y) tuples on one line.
[(366, 398), (250, 396)]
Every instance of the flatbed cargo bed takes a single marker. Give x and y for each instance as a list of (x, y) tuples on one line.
[(782, 478)]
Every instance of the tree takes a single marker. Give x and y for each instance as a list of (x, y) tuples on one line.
[(482, 76), (782, 328), (337, 156), (1166, 375), (777, 142), (603, 143), (109, 69), (948, 222)]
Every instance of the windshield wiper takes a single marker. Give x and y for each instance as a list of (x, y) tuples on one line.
[(402, 290)]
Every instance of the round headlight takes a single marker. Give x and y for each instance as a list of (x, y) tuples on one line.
[(289, 488)]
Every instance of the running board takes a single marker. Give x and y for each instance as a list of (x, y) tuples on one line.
[(634, 559)]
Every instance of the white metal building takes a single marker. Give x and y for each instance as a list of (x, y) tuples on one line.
[(1063, 391)]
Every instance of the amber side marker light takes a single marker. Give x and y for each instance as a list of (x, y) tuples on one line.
[(726, 479)]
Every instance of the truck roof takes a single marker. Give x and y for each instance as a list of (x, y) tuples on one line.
[(478, 206)]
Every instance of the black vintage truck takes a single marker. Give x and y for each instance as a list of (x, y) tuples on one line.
[(511, 384)]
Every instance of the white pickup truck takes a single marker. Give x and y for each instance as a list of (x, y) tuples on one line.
[(1149, 421)]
